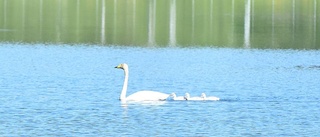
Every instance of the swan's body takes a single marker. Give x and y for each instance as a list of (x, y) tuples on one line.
[(146, 96), (173, 96), (140, 95), (209, 98)]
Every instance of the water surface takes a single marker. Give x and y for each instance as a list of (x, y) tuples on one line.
[(63, 90)]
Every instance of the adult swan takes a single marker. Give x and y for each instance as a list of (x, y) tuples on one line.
[(140, 95)]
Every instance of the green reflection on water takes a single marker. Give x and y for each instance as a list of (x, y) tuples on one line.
[(226, 23)]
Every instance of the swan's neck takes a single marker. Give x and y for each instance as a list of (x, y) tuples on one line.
[(125, 85)]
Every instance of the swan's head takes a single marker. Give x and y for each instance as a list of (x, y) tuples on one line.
[(123, 66), (203, 95), (173, 95), (186, 96)]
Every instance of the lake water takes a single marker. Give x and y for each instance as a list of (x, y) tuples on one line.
[(63, 90)]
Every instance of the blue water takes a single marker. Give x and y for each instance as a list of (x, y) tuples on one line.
[(63, 90)]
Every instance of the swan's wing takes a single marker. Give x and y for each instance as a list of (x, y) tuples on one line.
[(147, 96)]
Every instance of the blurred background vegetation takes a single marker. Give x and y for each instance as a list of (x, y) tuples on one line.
[(223, 23)]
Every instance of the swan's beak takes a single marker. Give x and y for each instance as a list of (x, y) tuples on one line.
[(119, 67)]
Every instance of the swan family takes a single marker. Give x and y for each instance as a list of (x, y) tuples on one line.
[(203, 97), (147, 95)]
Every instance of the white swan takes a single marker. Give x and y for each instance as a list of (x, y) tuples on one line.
[(173, 96), (187, 97), (209, 98), (202, 97), (140, 95)]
